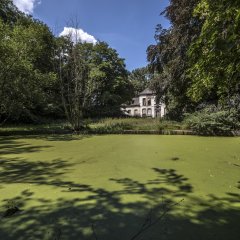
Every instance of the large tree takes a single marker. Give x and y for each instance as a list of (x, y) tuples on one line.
[(26, 75), (93, 80), (168, 57), (109, 71), (215, 55)]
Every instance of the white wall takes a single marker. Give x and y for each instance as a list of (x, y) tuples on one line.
[(163, 110), (152, 107)]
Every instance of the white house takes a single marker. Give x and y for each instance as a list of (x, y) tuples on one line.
[(145, 105)]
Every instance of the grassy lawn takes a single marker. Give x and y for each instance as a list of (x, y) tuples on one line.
[(65, 184)]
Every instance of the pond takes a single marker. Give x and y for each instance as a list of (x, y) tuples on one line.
[(108, 187)]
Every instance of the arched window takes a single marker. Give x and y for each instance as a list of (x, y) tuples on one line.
[(135, 112), (144, 112), (149, 112)]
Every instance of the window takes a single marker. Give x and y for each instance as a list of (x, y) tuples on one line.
[(149, 112), (144, 112), (144, 101), (149, 102), (135, 112), (129, 111)]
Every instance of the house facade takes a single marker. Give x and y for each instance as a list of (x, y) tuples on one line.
[(145, 105)]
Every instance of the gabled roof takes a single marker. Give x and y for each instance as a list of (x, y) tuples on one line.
[(147, 91)]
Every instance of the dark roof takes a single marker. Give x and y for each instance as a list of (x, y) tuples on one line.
[(147, 91), (135, 102)]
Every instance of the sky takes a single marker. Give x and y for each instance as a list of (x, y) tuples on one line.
[(126, 25)]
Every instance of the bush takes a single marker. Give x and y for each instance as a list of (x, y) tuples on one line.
[(211, 121)]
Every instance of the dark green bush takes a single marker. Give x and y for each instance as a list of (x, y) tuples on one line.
[(211, 121)]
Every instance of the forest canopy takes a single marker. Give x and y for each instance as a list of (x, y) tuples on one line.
[(37, 67), (196, 61), (194, 66)]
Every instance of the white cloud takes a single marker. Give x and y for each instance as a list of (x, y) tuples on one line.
[(26, 6), (78, 35)]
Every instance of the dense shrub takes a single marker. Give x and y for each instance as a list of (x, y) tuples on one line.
[(212, 121)]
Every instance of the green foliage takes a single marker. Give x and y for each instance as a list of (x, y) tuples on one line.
[(211, 121), (215, 55), (93, 80), (196, 61), (168, 58), (25, 62), (140, 78), (9, 12), (109, 71), (29, 77)]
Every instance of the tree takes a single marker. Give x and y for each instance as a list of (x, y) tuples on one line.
[(215, 55), (93, 80), (9, 12), (74, 77), (114, 87), (26, 69), (140, 79), (168, 58)]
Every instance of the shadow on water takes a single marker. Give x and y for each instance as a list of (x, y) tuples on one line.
[(17, 170), (58, 137), (15, 145), (113, 217), (9, 145), (175, 158), (115, 214)]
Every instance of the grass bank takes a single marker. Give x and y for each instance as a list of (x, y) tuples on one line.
[(102, 126), (116, 126), (110, 125)]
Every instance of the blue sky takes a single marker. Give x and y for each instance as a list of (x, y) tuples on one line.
[(126, 25)]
